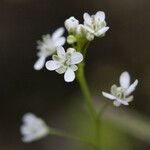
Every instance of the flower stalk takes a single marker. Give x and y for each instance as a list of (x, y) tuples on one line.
[(88, 99), (60, 133)]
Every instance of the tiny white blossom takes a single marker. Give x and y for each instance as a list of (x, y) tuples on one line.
[(48, 46), (120, 94), (71, 24), (95, 24), (65, 62), (33, 128)]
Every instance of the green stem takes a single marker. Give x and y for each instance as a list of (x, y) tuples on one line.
[(60, 133), (85, 90), (89, 103)]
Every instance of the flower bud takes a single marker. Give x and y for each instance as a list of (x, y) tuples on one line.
[(71, 39)]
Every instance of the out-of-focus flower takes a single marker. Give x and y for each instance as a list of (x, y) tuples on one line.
[(71, 24), (48, 46), (95, 24), (33, 128), (65, 62), (120, 94)]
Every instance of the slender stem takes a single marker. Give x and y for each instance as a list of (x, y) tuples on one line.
[(98, 123), (85, 90), (60, 133), (89, 103)]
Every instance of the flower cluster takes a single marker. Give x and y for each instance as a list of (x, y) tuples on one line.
[(93, 26), (33, 128), (120, 95), (79, 34)]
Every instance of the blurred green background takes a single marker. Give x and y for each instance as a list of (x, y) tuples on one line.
[(126, 46)]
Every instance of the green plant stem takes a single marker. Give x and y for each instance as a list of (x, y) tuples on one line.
[(60, 133), (85, 90), (88, 99)]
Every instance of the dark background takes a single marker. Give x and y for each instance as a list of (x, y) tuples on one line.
[(126, 46)]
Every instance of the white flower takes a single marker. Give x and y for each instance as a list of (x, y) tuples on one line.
[(48, 46), (33, 128), (120, 94), (71, 24), (65, 62), (95, 24)]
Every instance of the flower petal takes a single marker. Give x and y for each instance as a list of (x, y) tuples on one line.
[(89, 36), (58, 33), (61, 52), (102, 31), (87, 19), (71, 23), (27, 139), (70, 50), (129, 99), (39, 63), (123, 102), (52, 65), (100, 15), (69, 75), (89, 29), (61, 70), (109, 96), (76, 58), (60, 41), (116, 103), (125, 80), (131, 88), (74, 67)]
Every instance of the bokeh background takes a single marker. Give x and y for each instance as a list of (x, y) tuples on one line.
[(126, 46)]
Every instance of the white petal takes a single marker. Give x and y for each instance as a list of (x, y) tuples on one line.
[(71, 23), (80, 29), (125, 80), (122, 102), (58, 33), (89, 36), (102, 31), (25, 129), (69, 75), (70, 50), (116, 103), (100, 15), (129, 99), (28, 139), (60, 41), (89, 29), (109, 96), (76, 58), (131, 88), (87, 19), (29, 118), (39, 63), (61, 52), (74, 67), (52, 65), (61, 70)]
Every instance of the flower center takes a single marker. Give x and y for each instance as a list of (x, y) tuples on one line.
[(68, 60), (120, 93)]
